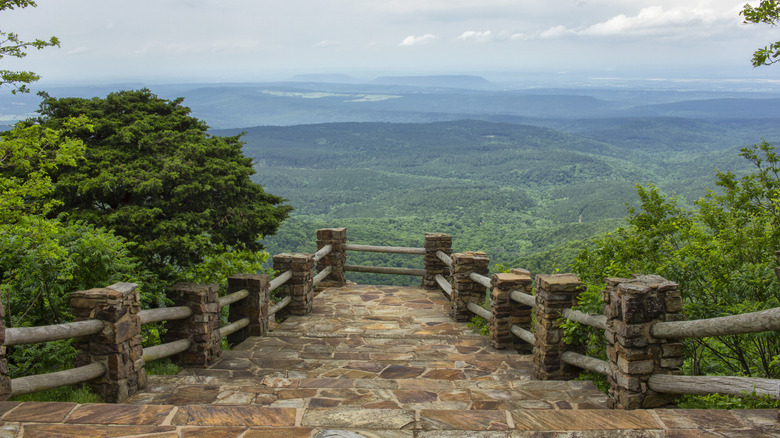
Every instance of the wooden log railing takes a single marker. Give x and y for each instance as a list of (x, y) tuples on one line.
[(35, 335), (659, 372), (382, 269), (479, 311), (445, 285), (47, 333), (481, 279), (754, 322)]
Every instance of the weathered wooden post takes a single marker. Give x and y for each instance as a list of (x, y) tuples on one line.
[(337, 258), (201, 328), (299, 287), (435, 242), (118, 346), (507, 312), (254, 307), (464, 289), (553, 294), (632, 306), (5, 381)]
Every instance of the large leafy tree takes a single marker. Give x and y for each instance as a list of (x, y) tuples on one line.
[(12, 45), (154, 175)]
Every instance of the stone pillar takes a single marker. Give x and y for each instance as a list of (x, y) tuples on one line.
[(254, 307), (464, 289), (507, 312), (337, 238), (632, 306), (118, 346), (202, 327), (433, 265), (553, 294), (5, 381), (299, 287)]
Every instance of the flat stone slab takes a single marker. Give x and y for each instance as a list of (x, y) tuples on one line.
[(257, 421)]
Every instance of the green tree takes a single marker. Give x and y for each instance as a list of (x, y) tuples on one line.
[(767, 12), (722, 254), (12, 45), (154, 175)]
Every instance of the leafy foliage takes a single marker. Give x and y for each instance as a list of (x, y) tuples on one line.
[(767, 12), (12, 45), (722, 254), (28, 154), (155, 177)]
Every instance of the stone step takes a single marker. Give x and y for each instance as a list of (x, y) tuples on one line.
[(110, 420), (414, 393)]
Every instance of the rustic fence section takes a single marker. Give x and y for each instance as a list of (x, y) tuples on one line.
[(642, 321), (464, 289), (108, 334)]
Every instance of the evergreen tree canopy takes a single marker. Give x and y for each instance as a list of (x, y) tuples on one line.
[(154, 175)]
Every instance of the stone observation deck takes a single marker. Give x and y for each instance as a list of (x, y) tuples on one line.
[(370, 361)]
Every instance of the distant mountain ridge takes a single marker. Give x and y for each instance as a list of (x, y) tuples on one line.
[(445, 81)]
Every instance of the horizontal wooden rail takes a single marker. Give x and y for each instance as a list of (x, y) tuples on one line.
[(385, 270), (165, 350), (321, 276), (703, 385), (280, 280), (42, 382), (587, 363), (447, 260), (325, 250), (47, 333), (386, 249), (164, 314), (479, 311), (593, 320), (280, 305), (481, 279), (523, 298), (444, 284), (755, 322), (232, 298), (523, 334), (233, 327)]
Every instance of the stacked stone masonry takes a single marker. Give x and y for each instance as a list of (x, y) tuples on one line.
[(5, 381), (202, 327), (337, 258), (464, 289), (299, 287), (553, 294), (254, 307), (632, 306), (118, 346), (435, 242), (507, 312)]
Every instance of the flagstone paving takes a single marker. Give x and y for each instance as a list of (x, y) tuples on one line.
[(371, 361)]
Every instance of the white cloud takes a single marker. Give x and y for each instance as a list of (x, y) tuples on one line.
[(654, 21), (327, 43), (413, 40), (479, 37), (556, 32), (651, 19)]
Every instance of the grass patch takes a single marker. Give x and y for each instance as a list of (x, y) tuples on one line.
[(162, 367), (61, 394)]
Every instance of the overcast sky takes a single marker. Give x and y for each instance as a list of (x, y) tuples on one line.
[(247, 40)]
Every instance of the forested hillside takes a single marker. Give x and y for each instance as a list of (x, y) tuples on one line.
[(526, 195)]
